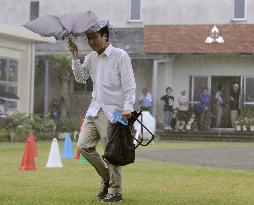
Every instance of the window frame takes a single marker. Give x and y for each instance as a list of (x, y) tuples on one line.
[(8, 83), (245, 12), (135, 20), (31, 2), (245, 90)]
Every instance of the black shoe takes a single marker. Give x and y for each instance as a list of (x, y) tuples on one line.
[(113, 198), (103, 191)]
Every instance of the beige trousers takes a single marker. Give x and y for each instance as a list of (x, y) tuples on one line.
[(233, 117), (93, 130)]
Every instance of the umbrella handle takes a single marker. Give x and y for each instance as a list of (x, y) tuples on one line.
[(75, 54)]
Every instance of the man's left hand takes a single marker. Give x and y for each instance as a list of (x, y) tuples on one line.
[(126, 114)]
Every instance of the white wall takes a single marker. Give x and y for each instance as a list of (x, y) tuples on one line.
[(117, 11), (214, 65), (177, 72), (17, 12)]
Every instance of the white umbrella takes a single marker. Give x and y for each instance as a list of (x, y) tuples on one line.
[(66, 26)]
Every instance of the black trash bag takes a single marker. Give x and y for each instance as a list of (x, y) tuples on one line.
[(120, 149)]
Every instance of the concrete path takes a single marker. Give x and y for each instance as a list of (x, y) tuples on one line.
[(233, 157)]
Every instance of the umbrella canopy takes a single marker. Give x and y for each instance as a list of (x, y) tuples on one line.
[(78, 23), (9, 96), (47, 26), (66, 26)]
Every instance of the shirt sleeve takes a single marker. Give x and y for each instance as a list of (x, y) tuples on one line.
[(81, 72), (127, 81)]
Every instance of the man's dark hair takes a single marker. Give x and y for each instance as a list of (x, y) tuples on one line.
[(104, 30)]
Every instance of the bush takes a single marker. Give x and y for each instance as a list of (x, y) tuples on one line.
[(68, 124), (21, 124), (4, 135)]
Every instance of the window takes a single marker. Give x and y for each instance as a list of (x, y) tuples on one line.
[(135, 9), (249, 92), (34, 10), (8, 79), (197, 84), (239, 10)]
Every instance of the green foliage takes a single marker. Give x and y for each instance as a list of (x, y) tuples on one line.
[(21, 123), (4, 135), (67, 124), (246, 117), (60, 66)]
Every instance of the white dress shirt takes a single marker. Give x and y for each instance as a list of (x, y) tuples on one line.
[(113, 80)]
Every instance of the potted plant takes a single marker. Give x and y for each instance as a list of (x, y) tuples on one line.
[(251, 124), (245, 124), (238, 124), (188, 126)]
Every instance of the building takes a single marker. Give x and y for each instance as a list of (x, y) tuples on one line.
[(177, 43), (17, 57)]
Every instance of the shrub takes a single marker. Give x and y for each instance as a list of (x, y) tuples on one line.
[(4, 135), (21, 124)]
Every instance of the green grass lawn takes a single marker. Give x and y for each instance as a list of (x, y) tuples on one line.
[(145, 182)]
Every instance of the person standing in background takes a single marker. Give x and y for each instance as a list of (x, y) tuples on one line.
[(145, 100), (183, 110), (204, 103), (219, 105), (234, 104), (168, 108)]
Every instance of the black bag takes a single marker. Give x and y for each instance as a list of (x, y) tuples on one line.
[(120, 149)]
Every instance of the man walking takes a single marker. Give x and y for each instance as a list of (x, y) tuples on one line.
[(113, 90)]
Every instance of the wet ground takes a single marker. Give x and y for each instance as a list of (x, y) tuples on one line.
[(227, 157)]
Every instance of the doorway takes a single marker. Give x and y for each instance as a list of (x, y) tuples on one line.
[(226, 83), (197, 83)]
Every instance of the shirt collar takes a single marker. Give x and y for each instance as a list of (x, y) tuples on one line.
[(108, 50)]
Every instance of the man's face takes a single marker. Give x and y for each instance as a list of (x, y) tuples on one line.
[(145, 92), (235, 88), (96, 41), (168, 92)]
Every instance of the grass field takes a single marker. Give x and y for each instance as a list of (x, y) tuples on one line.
[(145, 182)]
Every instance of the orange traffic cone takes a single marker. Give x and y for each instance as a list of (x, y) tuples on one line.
[(33, 144), (77, 154), (27, 162)]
